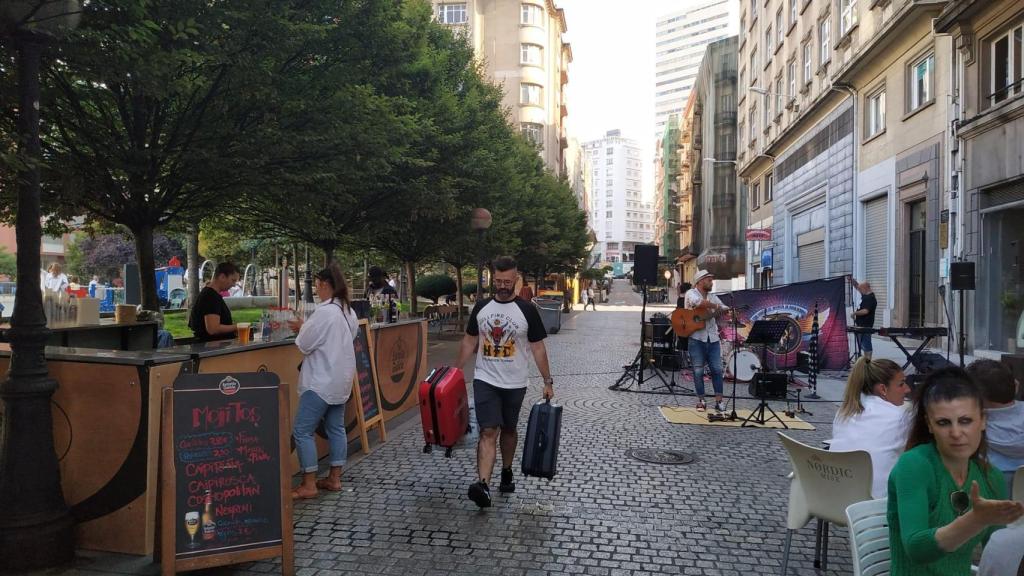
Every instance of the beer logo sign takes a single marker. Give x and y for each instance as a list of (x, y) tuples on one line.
[(229, 386)]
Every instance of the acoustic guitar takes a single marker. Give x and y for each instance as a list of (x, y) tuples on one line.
[(687, 321)]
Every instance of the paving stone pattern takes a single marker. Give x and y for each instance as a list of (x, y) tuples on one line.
[(406, 513)]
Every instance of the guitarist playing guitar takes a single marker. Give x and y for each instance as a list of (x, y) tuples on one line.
[(701, 307)]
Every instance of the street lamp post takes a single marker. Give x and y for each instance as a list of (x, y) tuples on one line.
[(480, 221), (36, 528), (308, 290)]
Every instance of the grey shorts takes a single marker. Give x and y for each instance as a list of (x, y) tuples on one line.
[(497, 407)]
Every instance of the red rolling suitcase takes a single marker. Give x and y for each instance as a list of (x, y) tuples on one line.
[(444, 408)]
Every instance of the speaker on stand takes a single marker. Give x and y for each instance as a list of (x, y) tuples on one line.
[(961, 279), (645, 265)]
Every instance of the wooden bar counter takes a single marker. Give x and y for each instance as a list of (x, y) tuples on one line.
[(107, 335), (106, 414), (106, 428)]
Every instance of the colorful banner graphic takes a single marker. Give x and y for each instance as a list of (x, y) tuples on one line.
[(795, 303)]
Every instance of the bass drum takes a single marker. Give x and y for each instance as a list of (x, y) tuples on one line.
[(746, 362)]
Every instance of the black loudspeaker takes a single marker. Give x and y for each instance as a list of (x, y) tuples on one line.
[(132, 289), (645, 264), (927, 362), (961, 275), (769, 386)]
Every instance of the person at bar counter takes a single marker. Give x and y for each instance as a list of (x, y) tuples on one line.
[(379, 285), (944, 496), (210, 317), (327, 342)]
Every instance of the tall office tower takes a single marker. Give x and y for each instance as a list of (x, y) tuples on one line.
[(619, 215), (520, 44), (680, 39)]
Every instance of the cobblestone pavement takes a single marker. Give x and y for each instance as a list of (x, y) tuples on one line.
[(406, 513)]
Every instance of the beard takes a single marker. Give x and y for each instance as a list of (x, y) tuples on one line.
[(504, 293)]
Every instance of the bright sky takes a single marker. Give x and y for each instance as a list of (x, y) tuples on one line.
[(611, 78)]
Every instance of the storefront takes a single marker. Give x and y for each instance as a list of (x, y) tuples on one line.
[(999, 323)]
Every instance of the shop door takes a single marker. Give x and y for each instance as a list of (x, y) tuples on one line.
[(918, 222), (812, 261), (876, 253)]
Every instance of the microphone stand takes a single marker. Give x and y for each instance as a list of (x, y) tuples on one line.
[(735, 355)]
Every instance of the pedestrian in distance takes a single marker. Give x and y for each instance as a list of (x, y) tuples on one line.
[(55, 280), (704, 345), (591, 300), (504, 331), (327, 343)]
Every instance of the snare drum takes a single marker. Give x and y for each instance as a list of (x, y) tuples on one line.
[(747, 364)]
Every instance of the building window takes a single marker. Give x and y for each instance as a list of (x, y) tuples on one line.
[(807, 62), (530, 94), (921, 78), (755, 192), (534, 132), (452, 13), (824, 38), (767, 111), (794, 12), (753, 10), (779, 100), (753, 66), (769, 184), (530, 54), (791, 72), (1007, 67), (779, 34), (752, 119), (608, 214), (876, 113), (847, 16), (769, 41), (532, 15)]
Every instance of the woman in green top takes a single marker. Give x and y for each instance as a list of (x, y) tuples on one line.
[(944, 498)]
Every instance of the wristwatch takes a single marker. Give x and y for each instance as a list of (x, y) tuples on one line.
[(548, 381)]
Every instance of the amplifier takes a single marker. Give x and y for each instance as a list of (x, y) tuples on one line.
[(769, 386), (927, 362)]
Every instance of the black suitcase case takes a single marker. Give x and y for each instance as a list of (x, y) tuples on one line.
[(540, 449)]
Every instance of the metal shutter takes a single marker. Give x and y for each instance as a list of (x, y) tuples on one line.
[(812, 261), (876, 253)]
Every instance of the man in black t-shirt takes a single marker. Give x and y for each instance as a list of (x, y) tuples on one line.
[(864, 317), (210, 317)]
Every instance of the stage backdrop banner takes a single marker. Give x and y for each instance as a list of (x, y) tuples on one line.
[(795, 303)]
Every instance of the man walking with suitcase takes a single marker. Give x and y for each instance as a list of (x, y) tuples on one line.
[(504, 331)]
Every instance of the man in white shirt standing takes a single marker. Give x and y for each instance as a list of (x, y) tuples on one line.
[(704, 346), (504, 331)]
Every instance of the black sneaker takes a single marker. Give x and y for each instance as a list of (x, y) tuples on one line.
[(508, 483), (480, 494)]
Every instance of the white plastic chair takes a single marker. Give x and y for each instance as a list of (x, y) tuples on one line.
[(823, 485), (869, 537)]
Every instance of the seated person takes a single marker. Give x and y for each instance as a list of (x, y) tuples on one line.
[(210, 317), (874, 418), (944, 497), (1004, 416), (1004, 553)]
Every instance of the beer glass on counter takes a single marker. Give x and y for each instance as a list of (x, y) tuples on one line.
[(192, 527)]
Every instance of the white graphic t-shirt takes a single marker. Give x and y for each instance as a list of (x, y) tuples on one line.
[(503, 354)]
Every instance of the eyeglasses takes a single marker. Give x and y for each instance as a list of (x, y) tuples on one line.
[(960, 501), (504, 282)]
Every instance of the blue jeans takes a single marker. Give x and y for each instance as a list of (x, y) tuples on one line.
[(312, 409), (865, 341), (706, 355)]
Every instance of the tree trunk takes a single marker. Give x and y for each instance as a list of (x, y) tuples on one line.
[(328, 254), (298, 288), (147, 267), (192, 261), (410, 270), (458, 288)]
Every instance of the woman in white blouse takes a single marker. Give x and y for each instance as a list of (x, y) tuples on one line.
[(873, 417), (326, 341)]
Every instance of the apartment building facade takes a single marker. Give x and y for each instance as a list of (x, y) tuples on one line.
[(620, 215), (520, 45), (987, 165), (680, 39), (666, 189)]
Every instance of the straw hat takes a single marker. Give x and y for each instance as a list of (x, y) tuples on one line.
[(701, 274)]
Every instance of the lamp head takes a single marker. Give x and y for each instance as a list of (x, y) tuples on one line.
[(480, 219)]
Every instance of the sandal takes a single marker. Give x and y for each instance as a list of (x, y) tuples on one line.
[(325, 484)]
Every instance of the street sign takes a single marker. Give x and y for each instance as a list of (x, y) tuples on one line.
[(755, 234)]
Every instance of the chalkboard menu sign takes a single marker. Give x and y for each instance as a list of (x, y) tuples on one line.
[(365, 392), (223, 479)]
